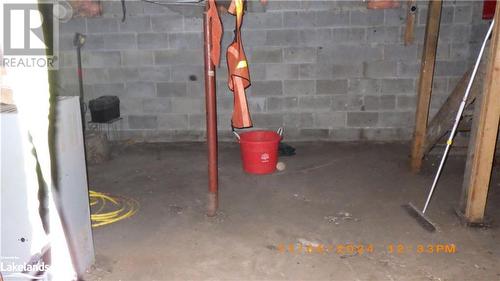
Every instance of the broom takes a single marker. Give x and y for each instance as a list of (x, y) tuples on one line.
[(413, 211)]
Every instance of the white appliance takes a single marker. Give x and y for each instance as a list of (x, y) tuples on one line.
[(17, 232)]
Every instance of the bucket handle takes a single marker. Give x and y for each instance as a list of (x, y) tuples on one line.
[(280, 132)]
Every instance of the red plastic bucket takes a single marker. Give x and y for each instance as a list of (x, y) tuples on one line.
[(259, 151)]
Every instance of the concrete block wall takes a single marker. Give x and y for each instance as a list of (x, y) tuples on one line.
[(324, 70)]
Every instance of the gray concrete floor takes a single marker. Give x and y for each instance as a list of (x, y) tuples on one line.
[(171, 238)]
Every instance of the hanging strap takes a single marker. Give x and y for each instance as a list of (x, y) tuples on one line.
[(215, 26)]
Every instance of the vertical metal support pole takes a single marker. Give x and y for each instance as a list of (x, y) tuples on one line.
[(211, 117)]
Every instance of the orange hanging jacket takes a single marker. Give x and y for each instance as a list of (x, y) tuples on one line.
[(238, 73)]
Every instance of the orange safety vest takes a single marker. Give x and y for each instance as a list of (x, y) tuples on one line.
[(238, 73)]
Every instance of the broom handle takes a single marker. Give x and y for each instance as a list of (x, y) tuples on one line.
[(449, 142)]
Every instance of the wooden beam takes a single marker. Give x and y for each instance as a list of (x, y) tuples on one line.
[(410, 22), (443, 120), (425, 82), (483, 136)]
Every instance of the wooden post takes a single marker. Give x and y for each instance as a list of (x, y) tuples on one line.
[(483, 136), (410, 22), (425, 83)]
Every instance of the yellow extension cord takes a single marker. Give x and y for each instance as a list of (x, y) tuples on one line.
[(122, 208)]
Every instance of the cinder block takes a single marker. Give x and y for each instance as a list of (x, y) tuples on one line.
[(315, 103), (102, 25), (182, 57), (136, 24), (332, 18), (183, 73), (186, 41), (298, 120), (380, 69), (265, 55), (330, 120), (450, 68), (463, 14), (123, 74), (267, 88), (113, 89), (400, 52), (187, 105), (367, 17), (316, 71), (299, 19), (93, 42), (345, 134), (353, 70), (383, 34), (283, 5), (331, 86), (398, 86), (314, 134), (173, 121), (143, 122), (281, 37), (346, 102), (253, 6), (196, 89), (300, 54), (171, 89), (137, 58), (112, 8), (266, 20), (363, 86), (197, 121), (131, 106), (406, 102), (155, 73), (167, 23), (408, 70), (157, 105), (349, 35), (282, 71), (343, 54), (299, 87), (268, 120), (459, 51), (140, 89), (257, 72), (395, 16), (193, 24), (120, 41), (101, 59), (69, 76), (72, 26), (152, 41), (447, 14), (280, 104), (362, 119), (396, 119), (250, 37), (257, 104), (91, 75), (374, 103), (317, 37)]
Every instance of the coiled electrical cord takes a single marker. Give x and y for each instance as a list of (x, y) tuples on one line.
[(110, 208)]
